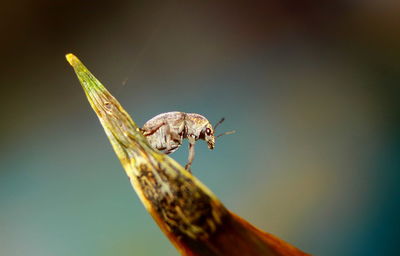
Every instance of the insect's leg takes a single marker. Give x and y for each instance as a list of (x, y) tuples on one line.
[(168, 139), (191, 156), (182, 129), (151, 130), (169, 142), (175, 136)]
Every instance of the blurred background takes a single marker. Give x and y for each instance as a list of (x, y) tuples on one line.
[(311, 87)]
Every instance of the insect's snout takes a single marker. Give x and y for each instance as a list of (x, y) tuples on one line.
[(211, 144)]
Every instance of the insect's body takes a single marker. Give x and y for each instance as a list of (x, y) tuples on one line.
[(167, 131)]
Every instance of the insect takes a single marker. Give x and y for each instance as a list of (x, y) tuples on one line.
[(167, 131)]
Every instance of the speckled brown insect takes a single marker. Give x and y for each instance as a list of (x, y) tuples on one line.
[(167, 131)]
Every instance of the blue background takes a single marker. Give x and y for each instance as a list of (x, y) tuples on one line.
[(311, 87)]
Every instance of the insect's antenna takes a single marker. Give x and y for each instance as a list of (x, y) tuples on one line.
[(226, 133), (219, 122)]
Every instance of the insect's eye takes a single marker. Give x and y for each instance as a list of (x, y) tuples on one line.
[(208, 131)]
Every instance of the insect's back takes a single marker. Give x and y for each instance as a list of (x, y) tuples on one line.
[(168, 117)]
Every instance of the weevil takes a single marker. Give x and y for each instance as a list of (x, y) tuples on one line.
[(167, 131)]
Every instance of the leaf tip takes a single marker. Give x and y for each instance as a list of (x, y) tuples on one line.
[(72, 59)]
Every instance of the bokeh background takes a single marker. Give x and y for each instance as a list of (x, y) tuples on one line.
[(311, 87)]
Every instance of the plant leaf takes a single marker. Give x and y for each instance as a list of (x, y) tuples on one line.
[(191, 216)]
